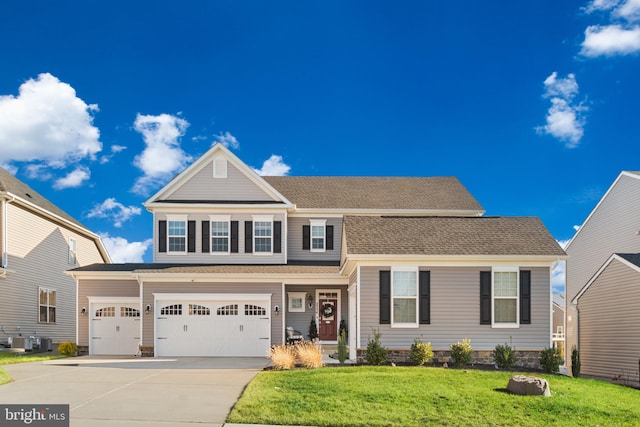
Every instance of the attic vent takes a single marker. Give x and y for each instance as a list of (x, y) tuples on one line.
[(220, 168)]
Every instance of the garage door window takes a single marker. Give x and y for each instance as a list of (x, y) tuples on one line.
[(129, 312), (199, 310), (254, 310), (106, 312), (172, 310), (228, 310)]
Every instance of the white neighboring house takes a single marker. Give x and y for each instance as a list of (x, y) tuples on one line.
[(601, 319), (38, 243)]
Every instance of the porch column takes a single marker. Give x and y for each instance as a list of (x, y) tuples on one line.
[(353, 320)]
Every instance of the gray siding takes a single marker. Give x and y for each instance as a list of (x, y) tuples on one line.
[(302, 320), (236, 187), (275, 289), (100, 288), (612, 228), (241, 257), (294, 241), (38, 256), (610, 324), (455, 312)]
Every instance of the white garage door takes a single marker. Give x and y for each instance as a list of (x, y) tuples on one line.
[(115, 328), (213, 325)]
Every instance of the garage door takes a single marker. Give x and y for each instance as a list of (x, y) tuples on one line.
[(217, 326), (115, 328)]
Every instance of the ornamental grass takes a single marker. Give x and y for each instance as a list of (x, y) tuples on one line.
[(282, 356), (309, 354)]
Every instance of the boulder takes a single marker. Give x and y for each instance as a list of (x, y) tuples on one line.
[(528, 386)]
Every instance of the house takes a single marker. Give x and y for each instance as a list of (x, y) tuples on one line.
[(39, 242), (238, 258), (558, 321), (601, 263)]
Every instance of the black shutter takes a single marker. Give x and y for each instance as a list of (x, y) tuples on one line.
[(306, 237), (162, 236), (385, 297), (234, 236), (485, 297), (329, 237), (525, 297), (425, 297), (206, 226), (248, 236), (277, 237), (191, 236)]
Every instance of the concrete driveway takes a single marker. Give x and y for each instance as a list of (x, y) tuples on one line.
[(135, 392)]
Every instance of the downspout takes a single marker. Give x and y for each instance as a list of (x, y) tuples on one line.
[(142, 314)]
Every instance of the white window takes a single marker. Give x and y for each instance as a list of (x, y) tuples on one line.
[(263, 235), (296, 302), (404, 291), (177, 234), (318, 233), (73, 251), (220, 226), (505, 298), (47, 303)]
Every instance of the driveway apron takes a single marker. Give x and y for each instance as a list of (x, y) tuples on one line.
[(135, 392)]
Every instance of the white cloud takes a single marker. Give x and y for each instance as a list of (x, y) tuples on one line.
[(47, 123), (227, 140), (121, 251), (74, 179), (610, 40), (601, 5), (162, 157), (629, 10), (114, 210), (115, 149), (273, 166), (565, 119)]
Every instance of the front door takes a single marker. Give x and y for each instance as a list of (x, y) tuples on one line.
[(328, 316)]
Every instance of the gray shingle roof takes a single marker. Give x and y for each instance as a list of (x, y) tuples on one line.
[(11, 184), (632, 258), (344, 192), (449, 236)]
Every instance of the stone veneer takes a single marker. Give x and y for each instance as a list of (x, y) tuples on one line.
[(524, 359)]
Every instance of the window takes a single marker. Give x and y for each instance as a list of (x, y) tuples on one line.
[(177, 234), (262, 235), (47, 305), (73, 259), (505, 298), (129, 312), (171, 310), (296, 302), (220, 235), (318, 233), (405, 297)]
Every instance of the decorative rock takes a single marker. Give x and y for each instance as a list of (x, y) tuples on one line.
[(528, 386)]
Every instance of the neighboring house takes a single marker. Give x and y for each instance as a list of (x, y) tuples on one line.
[(239, 257), (558, 321), (39, 242), (611, 228)]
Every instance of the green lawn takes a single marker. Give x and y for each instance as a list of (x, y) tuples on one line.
[(411, 396), (10, 358)]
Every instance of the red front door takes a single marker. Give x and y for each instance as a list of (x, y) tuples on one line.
[(328, 316)]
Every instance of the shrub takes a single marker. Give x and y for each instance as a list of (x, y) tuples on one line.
[(68, 348), (575, 362), (504, 356), (309, 354), (282, 356), (313, 329), (550, 360), (421, 352), (342, 347), (376, 354), (461, 352)]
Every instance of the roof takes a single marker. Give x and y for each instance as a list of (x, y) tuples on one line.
[(631, 258), (319, 268), (11, 184), (449, 236), (344, 192)]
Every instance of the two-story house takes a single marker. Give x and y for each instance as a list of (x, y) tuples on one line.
[(38, 243), (238, 258)]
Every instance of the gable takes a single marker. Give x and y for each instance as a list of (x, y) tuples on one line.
[(629, 263)]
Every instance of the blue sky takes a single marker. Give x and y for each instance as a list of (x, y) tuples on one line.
[(532, 105)]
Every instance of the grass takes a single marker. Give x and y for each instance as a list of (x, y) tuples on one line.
[(411, 396), (11, 358)]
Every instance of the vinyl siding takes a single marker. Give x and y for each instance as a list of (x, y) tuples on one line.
[(612, 228), (302, 320), (455, 312), (101, 288), (294, 241), (240, 257), (38, 255), (236, 187), (610, 324), (275, 289)]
